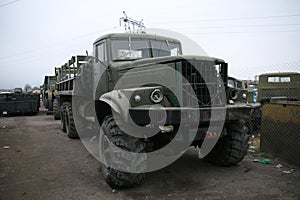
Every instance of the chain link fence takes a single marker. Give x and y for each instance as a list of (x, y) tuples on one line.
[(277, 123), (280, 131)]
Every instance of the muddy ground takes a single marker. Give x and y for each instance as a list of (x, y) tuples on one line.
[(38, 161)]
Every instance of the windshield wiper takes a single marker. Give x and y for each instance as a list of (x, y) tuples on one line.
[(168, 45)]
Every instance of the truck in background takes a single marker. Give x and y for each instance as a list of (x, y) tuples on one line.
[(281, 86), (48, 91), (240, 91), (19, 102), (65, 77)]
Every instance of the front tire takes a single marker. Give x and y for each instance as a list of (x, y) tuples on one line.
[(115, 178), (232, 147)]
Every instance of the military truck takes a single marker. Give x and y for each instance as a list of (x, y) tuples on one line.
[(48, 93), (242, 86), (282, 86), (241, 92), (123, 79), (236, 90), (65, 76), (19, 103)]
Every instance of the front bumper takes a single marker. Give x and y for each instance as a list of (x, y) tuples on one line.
[(241, 111), (176, 115), (192, 116)]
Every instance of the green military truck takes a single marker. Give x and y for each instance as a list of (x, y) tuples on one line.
[(64, 77), (124, 82), (236, 90), (282, 86), (240, 92), (48, 92), (242, 86), (19, 103)]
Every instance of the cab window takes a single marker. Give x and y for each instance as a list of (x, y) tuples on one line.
[(101, 51)]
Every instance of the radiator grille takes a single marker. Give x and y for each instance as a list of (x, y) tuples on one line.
[(202, 77)]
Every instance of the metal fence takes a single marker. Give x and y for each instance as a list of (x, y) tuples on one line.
[(280, 130)]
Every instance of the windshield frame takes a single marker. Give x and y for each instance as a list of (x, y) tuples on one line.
[(149, 50)]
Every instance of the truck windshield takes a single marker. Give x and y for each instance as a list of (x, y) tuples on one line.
[(165, 48), (129, 50), (230, 83), (52, 81), (132, 49)]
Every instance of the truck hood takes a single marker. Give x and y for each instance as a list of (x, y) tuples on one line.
[(126, 65)]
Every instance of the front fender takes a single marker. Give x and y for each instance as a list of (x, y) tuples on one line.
[(118, 102)]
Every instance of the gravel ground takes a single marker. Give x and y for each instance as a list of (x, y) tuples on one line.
[(38, 161)]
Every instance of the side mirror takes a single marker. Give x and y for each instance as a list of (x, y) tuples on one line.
[(93, 57)]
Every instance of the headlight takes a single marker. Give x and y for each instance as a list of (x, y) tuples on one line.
[(137, 98), (156, 96), (233, 94), (244, 96)]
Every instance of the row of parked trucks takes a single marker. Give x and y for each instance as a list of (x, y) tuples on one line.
[(134, 83), (137, 102)]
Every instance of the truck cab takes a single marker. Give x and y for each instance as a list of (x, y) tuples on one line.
[(48, 92), (282, 86)]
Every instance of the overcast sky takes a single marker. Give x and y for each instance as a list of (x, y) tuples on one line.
[(253, 36)]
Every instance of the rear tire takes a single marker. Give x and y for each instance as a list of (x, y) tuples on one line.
[(50, 105), (69, 122), (232, 147), (62, 117), (46, 103), (56, 110), (115, 178)]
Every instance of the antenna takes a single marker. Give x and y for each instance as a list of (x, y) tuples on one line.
[(130, 24)]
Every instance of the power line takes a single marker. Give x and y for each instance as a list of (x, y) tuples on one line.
[(36, 57), (6, 4), (183, 21), (230, 19), (242, 26), (262, 17), (59, 43), (52, 44), (245, 32)]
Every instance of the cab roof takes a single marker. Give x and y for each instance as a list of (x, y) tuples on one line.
[(280, 74), (135, 36)]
